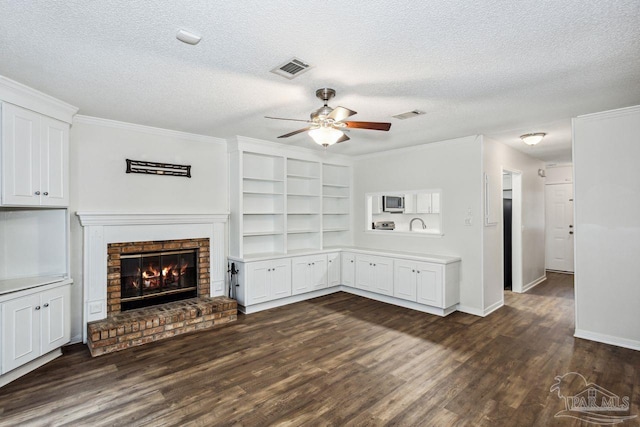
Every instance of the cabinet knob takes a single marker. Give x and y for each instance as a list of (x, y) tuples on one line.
[(268, 269), (413, 271), (330, 261), (37, 307), (351, 261), (313, 263), (571, 232), (46, 193), (418, 271), (37, 193), (374, 265), (46, 304)]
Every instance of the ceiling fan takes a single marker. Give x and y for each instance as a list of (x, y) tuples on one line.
[(327, 125)]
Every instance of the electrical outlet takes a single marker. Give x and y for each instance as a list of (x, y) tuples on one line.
[(467, 221)]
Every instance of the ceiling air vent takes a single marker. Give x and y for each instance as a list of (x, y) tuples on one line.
[(292, 68), (409, 114)]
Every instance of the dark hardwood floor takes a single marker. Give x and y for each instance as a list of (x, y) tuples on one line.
[(337, 360)]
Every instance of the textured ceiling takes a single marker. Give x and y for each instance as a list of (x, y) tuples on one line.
[(495, 67)]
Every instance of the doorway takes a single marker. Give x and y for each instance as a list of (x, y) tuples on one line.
[(512, 229), (559, 227)]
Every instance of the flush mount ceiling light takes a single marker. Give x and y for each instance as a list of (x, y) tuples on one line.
[(188, 37), (532, 138), (326, 135)]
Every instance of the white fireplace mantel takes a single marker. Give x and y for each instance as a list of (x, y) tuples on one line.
[(102, 228)]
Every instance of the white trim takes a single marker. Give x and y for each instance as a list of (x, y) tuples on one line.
[(288, 300), (28, 367), (113, 218), (471, 310), (607, 339), (611, 113), (533, 284), (493, 307), (278, 149), (29, 98), (404, 233), (97, 121)]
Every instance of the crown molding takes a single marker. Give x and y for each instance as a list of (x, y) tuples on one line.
[(97, 121), (610, 113), (115, 218), (31, 99)]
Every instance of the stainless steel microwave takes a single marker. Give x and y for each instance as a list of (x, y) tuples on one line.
[(393, 204)]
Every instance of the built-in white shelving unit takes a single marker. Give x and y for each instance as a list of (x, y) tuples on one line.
[(285, 201)]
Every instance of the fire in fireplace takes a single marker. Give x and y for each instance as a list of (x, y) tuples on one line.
[(157, 278)]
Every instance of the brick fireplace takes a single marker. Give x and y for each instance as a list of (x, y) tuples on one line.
[(104, 232)]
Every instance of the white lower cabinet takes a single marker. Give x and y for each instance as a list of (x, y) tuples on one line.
[(348, 267), (308, 273), (374, 274), (427, 283), (34, 325), (334, 269), (266, 281)]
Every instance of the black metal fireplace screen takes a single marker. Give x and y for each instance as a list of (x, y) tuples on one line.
[(157, 278)]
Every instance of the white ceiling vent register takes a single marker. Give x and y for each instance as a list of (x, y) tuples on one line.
[(291, 68), (409, 114)]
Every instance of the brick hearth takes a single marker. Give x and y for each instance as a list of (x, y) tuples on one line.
[(144, 325)]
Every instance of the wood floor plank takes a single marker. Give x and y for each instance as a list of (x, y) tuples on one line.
[(336, 360)]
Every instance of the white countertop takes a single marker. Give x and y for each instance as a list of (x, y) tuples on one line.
[(14, 285), (435, 258)]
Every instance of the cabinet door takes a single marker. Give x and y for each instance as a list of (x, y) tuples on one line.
[(423, 203), (410, 203), (280, 278), (319, 270), (383, 276), (55, 320), (257, 282), (300, 275), (404, 280), (348, 267), (54, 163), (20, 156), (20, 331), (429, 284), (364, 273), (435, 203), (333, 269)]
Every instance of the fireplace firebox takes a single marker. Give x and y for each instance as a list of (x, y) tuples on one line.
[(158, 277)]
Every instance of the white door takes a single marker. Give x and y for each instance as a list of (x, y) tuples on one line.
[(559, 227), (280, 278), (300, 275), (383, 276), (333, 269), (55, 319), (364, 273), (404, 280), (429, 284), (54, 160), (20, 156), (257, 282), (348, 269), (20, 331)]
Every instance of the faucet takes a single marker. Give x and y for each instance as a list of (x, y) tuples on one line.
[(419, 219)]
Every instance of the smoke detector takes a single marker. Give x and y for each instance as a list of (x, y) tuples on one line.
[(291, 68), (409, 114)]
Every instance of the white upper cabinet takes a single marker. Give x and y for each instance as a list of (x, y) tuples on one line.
[(35, 159)]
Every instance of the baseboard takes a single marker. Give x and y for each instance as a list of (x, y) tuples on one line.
[(471, 310), (607, 339), (288, 300), (28, 367), (493, 307), (533, 284)]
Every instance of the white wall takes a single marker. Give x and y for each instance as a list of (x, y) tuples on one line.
[(98, 182), (453, 166), (497, 157), (606, 150)]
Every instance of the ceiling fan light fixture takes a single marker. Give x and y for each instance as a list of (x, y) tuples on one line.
[(532, 138), (325, 135)]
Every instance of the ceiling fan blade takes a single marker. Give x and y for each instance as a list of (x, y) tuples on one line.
[(340, 113), (293, 120), (295, 132), (343, 138), (368, 125)]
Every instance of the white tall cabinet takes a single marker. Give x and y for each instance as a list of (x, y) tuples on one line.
[(34, 228)]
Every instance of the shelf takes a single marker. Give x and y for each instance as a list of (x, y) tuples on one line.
[(298, 176), (335, 197), (332, 230), (250, 178), (335, 213), (14, 285), (263, 193), (302, 195), (262, 213), (262, 233), (303, 213), (302, 231), (335, 185)]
